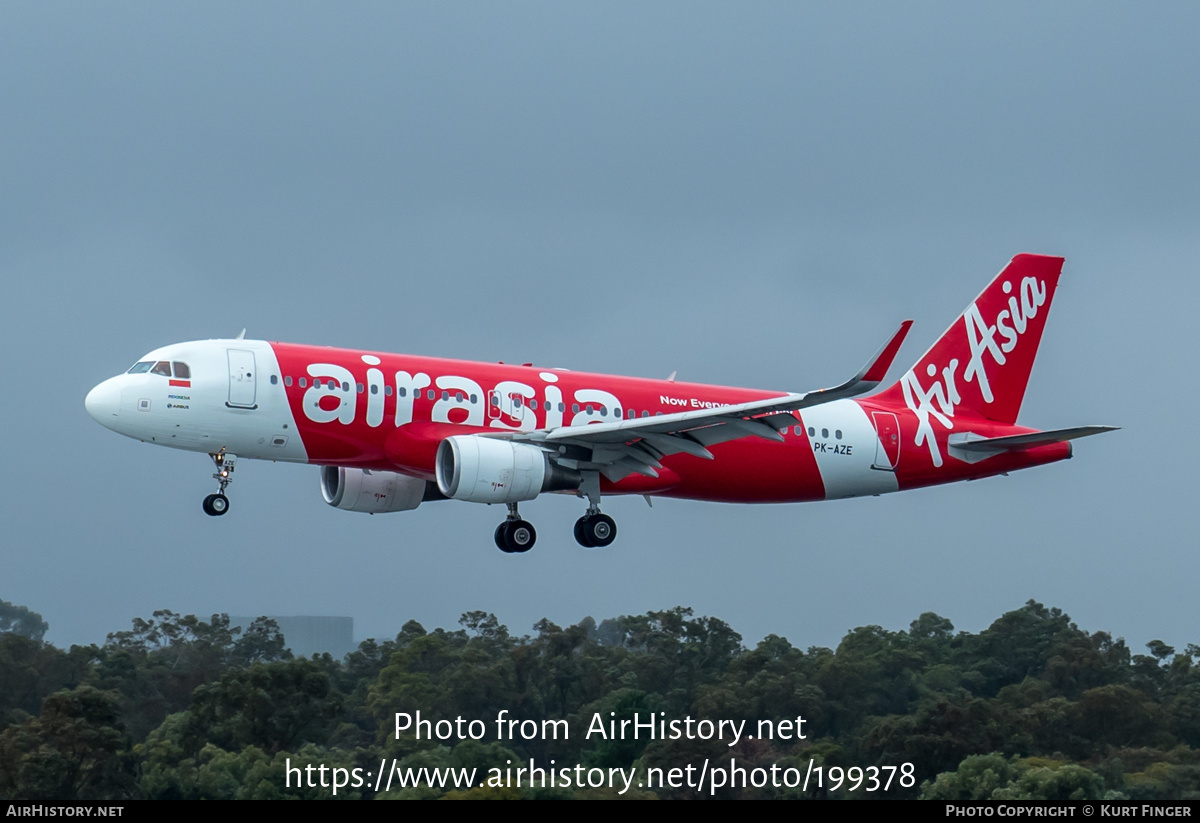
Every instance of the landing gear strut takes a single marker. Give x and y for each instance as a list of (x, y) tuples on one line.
[(594, 530), (217, 504), (515, 535)]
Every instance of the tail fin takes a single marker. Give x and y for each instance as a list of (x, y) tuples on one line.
[(982, 362)]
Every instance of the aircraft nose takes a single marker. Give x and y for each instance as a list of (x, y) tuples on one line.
[(104, 401)]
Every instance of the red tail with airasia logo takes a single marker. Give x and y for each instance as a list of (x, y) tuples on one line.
[(981, 364), (961, 399), (392, 431)]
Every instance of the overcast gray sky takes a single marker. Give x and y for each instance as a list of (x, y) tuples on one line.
[(751, 194)]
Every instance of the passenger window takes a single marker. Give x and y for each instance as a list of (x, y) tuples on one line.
[(432, 394), (359, 387), (574, 408), (303, 382), (812, 432), (824, 432), (645, 414), (274, 380), (345, 386), (182, 371), (796, 430), (474, 399), (287, 381), (838, 434), (374, 389)]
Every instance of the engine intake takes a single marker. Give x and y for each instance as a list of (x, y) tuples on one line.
[(373, 492), (488, 470)]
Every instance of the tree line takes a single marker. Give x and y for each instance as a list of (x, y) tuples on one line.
[(1033, 707)]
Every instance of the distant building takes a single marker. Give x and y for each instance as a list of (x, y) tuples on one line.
[(307, 635)]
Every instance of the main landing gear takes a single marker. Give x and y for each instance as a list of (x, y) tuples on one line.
[(595, 530), (217, 504), (515, 535), (592, 531)]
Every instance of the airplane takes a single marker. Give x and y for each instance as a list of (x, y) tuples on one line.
[(391, 431)]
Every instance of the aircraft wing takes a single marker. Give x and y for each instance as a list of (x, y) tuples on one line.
[(635, 446)]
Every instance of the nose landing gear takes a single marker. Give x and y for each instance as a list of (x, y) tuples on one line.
[(217, 504)]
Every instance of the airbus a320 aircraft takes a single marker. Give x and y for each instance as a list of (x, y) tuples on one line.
[(391, 431)]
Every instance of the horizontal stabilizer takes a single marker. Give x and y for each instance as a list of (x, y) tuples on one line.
[(973, 448)]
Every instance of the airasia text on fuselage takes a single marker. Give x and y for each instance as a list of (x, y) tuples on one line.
[(510, 404)]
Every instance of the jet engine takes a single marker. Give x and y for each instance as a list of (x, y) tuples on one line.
[(373, 492), (488, 470)]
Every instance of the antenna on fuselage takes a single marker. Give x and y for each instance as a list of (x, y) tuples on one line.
[(241, 335)]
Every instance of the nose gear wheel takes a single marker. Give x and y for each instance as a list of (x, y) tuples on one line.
[(217, 504)]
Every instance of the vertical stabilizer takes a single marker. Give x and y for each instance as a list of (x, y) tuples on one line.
[(983, 361)]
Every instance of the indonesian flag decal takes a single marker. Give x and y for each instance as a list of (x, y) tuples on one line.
[(183, 384)]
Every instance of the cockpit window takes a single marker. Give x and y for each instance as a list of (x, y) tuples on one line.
[(162, 367)]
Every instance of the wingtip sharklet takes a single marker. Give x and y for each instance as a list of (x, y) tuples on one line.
[(877, 368)]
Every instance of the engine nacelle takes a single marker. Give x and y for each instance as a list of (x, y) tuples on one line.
[(373, 492), (488, 470)]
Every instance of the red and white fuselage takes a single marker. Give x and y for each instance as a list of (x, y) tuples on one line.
[(951, 417)]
